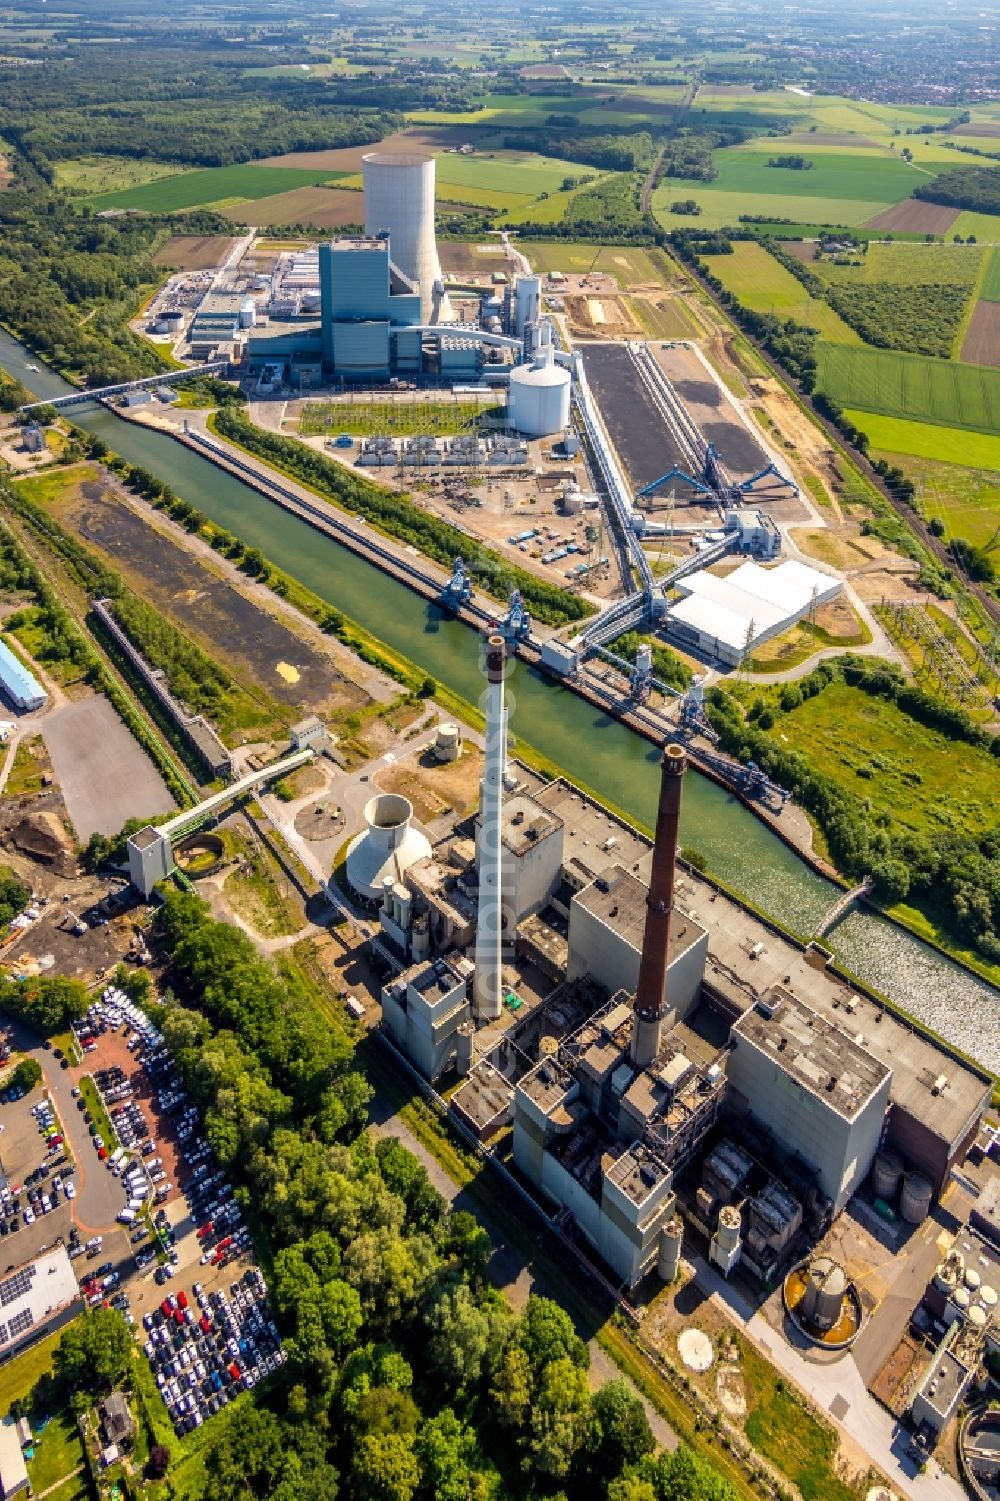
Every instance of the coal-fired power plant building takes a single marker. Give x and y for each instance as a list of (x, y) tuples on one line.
[(680, 1033)]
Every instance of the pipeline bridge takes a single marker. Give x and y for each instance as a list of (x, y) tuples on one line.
[(100, 393)]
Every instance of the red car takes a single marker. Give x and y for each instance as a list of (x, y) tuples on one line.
[(234, 1371), (205, 1324), (165, 1308), (178, 1315), (182, 1299), (206, 1230)]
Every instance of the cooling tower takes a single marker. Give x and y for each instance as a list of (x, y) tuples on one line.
[(399, 197)]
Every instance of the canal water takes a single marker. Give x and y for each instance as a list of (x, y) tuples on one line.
[(586, 744)]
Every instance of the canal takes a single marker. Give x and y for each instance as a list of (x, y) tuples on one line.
[(587, 745)]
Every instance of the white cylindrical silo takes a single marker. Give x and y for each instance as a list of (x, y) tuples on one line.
[(538, 403), (399, 198)]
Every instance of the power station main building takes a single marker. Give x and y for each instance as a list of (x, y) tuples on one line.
[(687, 1057), (373, 288)]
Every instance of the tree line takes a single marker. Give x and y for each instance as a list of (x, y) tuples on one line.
[(973, 188), (408, 1374)]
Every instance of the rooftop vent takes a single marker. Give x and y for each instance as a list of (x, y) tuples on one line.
[(831, 1083), (939, 1084)]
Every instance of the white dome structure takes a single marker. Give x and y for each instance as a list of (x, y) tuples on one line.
[(387, 847), (539, 397)]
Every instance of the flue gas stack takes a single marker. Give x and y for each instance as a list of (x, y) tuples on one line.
[(488, 986), (649, 995)]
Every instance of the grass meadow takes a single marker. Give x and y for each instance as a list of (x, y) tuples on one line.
[(917, 776), (762, 283)]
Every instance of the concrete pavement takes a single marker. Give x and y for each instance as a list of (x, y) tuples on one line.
[(839, 1391)]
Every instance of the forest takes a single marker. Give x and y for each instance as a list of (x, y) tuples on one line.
[(974, 188), (185, 104), (409, 1376)]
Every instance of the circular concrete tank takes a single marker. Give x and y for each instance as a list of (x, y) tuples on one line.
[(972, 1279), (386, 848), (887, 1171), (961, 1299), (538, 402), (447, 742), (988, 1297), (728, 1231), (915, 1199), (463, 1044), (977, 1316), (823, 1298), (671, 1240)]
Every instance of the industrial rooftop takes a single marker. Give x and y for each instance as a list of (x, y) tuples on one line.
[(820, 1056), (618, 898)]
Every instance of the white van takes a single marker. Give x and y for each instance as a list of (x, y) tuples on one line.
[(126, 1216)]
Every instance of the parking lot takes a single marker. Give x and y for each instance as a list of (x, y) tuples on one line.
[(34, 1213), (148, 1210)]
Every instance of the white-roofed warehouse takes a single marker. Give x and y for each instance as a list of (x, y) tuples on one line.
[(721, 617)]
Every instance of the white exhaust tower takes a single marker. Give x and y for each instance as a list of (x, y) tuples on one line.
[(488, 987), (399, 197)]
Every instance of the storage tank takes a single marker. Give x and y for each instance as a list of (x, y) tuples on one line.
[(961, 1299), (538, 404), (728, 1232), (248, 313), (548, 1046), (386, 848), (173, 319), (447, 742), (464, 1039), (972, 1279), (399, 198), (887, 1170), (988, 1297), (947, 1275), (823, 1298), (572, 500), (977, 1316), (671, 1240), (915, 1200)]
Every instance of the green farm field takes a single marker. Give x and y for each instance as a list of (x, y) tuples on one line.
[(105, 174), (212, 185), (629, 267), (915, 775), (529, 174), (762, 283), (910, 385), (910, 265), (928, 440), (990, 289)]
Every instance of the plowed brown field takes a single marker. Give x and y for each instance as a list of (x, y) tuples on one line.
[(913, 216)]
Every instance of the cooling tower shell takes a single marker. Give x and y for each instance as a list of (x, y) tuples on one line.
[(824, 1295), (386, 849), (399, 198)]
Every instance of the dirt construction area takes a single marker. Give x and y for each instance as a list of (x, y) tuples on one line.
[(600, 315)]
